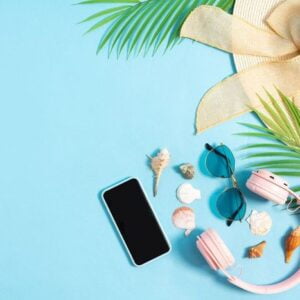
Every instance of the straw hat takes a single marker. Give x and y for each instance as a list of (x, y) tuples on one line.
[(266, 54), (255, 12)]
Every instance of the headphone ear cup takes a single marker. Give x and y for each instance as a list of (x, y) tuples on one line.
[(261, 191), (214, 250), (261, 183)]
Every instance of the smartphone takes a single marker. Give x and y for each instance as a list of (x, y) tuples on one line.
[(136, 221)]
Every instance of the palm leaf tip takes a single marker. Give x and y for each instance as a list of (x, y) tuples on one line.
[(142, 29), (281, 119)]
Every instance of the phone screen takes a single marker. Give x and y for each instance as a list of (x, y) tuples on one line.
[(136, 221)]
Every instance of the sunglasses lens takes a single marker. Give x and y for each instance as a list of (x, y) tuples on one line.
[(231, 205), (220, 162)]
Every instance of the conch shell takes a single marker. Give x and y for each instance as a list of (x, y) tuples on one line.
[(260, 222), (186, 193), (292, 243), (187, 171), (158, 164), (257, 250), (184, 218)]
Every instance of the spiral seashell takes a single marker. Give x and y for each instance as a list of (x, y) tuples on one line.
[(292, 243), (257, 250), (184, 218)]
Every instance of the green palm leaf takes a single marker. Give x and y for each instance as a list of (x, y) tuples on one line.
[(174, 34), (104, 12), (267, 145), (108, 1), (274, 154), (288, 173), (127, 18), (104, 21), (114, 29), (281, 119), (296, 189), (133, 26), (171, 21), (153, 23), (278, 126), (277, 162), (138, 26), (140, 31), (258, 134)]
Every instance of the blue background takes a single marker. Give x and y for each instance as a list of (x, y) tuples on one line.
[(73, 123)]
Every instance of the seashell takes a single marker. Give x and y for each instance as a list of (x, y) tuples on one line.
[(292, 243), (257, 250), (187, 171), (158, 164), (260, 222), (184, 218), (186, 193)]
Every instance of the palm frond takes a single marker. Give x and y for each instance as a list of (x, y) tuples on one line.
[(281, 120), (143, 25), (108, 1), (274, 154), (277, 162), (288, 173), (267, 145), (258, 134), (296, 188), (102, 13)]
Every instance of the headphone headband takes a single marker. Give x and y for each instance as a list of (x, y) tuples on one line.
[(219, 257)]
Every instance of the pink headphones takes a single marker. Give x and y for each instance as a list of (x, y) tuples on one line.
[(219, 257), (270, 186)]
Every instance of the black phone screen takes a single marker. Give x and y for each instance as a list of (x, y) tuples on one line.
[(136, 221)]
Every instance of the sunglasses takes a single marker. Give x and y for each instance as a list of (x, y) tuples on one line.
[(231, 204)]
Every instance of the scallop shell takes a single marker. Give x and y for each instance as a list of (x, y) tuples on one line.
[(292, 243), (187, 171), (184, 218), (260, 222), (186, 193), (257, 250)]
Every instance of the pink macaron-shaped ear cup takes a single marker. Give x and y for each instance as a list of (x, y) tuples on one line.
[(268, 186), (214, 250)]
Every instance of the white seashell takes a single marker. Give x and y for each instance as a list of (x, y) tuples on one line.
[(186, 193), (184, 218), (260, 222)]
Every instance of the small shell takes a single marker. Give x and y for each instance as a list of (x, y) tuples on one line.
[(184, 218), (292, 243), (187, 171), (260, 222), (257, 250), (186, 193)]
